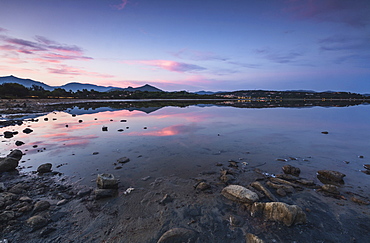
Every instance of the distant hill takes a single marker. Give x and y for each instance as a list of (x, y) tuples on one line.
[(74, 86)]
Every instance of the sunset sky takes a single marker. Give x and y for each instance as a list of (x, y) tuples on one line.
[(189, 44)]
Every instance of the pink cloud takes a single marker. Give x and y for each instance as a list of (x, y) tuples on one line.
[(3, 30), (122, 5), (169, 65), (67, 70)]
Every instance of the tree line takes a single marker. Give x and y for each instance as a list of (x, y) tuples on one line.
[(18, 91)]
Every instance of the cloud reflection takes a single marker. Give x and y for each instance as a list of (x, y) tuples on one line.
[(168, 131)]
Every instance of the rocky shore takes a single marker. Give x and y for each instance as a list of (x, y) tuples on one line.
[(232, 202)]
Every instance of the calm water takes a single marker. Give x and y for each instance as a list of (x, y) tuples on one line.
[(185, 141)]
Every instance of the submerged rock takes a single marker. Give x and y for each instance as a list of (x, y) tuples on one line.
[(106, 181), (288, 169), (239, 194), (44, 168), (279, 211), (123, 160), (331, 175), (178, 235), (330, 189), (11, 161), (104, 193), (37, 222)]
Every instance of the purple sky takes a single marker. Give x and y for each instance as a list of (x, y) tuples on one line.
[(189, 45)]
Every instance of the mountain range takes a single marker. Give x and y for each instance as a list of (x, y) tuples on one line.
[(74, 86)]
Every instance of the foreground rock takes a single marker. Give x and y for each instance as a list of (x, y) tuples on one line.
[(44, 168), (281, 212), (239, 194), (11, 161), (331, 175), (106, 181)]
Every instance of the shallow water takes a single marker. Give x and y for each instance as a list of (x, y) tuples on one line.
[(186, 141)]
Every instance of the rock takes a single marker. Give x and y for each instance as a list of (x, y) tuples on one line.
[(330, 189), (178, 235), (331, 175), (203, 186), (84, 192), (227, 178), (281, 192), (239, 194), (104, 193), (123, 160), (306, 182), (47, 231), (44, 168), (236, 221), (11, 161), (367, 166), (19, 143), (41, 206), (359, 201), (286, 188), (8, 134), (266, 191), (37, 222), (62, 202), (25, 199), (104, 129), (281, 212), (27, 130), (325, 132), (123, 120), (6, 216), (2, 187), (288, 169), (106, 181), (251, 238), (166, 199)]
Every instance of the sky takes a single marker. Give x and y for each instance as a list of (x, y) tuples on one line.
[(192, 45)]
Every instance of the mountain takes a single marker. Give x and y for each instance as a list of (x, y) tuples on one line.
[(25, 82), (74, 86)]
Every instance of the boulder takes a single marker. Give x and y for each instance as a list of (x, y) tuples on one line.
[(106, 181), (239, 194), (37, 222), (331, 175), (291, 170), (279, 211), (178, 235), (44, 168), (11, 161)]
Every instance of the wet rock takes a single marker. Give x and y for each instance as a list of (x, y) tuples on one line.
[(6, 216), (239, 194), (11, 161), (286, 188), (8, 134), (37, 222), (104, 193), (306, 182), (279, 211), (331, 175), (62, 202), (19, 143), (41, 206), (27, 130), (202, 186), (266, 191), (166, 199), (288, 169), (46, 231), (325, 132), (367, 166), (227, 178), (251, 238), (95, 153), (178, 235), (120, 130), (359, 201), (330, 189), (44, 168), (287, 177), (123, 160), (106, 181), (104, 129), (25, 199), (281, 192)]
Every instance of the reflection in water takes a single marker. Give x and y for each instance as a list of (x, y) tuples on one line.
[(184, 138)]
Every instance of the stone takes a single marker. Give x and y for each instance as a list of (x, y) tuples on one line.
[(251, 238), (62, 202), (84, 192), (280, 212), (166, 199), (41, 206), (178, 235), (25, 199), (19, 143), (330, 189), (367, 166), (203, 186), (6, 216), (11, 161), (266, 191), (123, 160), (288, 169), (37, 222), (2, 187), (227, 178), (104, 129), (44, 168), (359, 201), (104, 193), (8, 134), (239, 194), (331, 175), (106, 181), (27, 130), (46, 231)]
